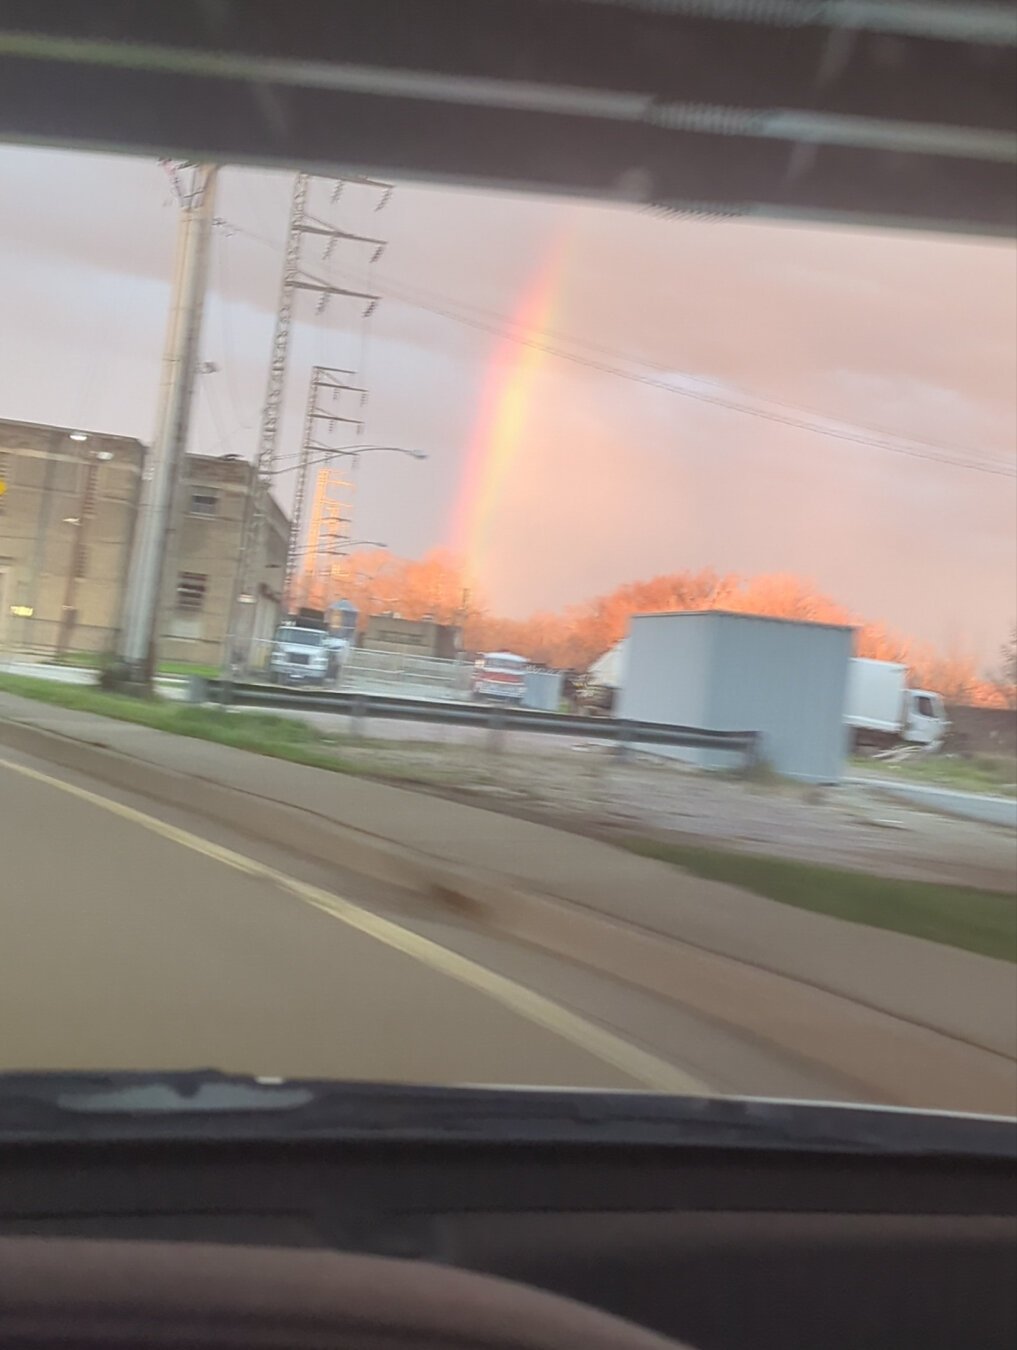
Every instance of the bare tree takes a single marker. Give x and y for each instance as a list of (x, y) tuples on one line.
[(1008, 669)]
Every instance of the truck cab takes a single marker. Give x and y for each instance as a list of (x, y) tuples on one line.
[(881, 711), (500, 676), (925, 721), (301, 654)]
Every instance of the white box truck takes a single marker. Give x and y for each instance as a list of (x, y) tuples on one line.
[(881, 710)]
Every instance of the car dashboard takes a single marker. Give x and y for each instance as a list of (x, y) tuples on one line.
[(742, 1244)]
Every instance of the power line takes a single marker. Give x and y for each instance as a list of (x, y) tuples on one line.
[(213, 407), (221, 259), (846, 432), (412, 290), (857, 436)]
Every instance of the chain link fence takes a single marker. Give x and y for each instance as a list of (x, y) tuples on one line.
[(363, 670)]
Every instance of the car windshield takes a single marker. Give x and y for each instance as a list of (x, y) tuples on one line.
[(712, 492), (300, 637), (504, 665)]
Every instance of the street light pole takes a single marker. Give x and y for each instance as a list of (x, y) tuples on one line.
[(136, 646), (302, 468), (349, 452)]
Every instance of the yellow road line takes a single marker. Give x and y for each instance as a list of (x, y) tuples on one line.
[(595, 1040)]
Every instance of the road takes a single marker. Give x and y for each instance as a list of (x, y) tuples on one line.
[(135, 934), (133, 938)]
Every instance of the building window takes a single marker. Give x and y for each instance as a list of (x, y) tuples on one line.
[(191, 590), (204, 504)]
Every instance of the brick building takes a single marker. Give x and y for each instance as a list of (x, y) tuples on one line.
[(202, 567), (68, 511)]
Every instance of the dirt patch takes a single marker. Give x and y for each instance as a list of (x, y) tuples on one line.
[(590, 789)]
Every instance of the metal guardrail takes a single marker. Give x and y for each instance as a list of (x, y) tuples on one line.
[(483, 715)]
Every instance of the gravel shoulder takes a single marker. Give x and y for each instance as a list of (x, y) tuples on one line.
[(586, 787)]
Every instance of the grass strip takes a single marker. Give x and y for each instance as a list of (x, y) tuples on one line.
[(993, 774), (958, 916), (266, 733)]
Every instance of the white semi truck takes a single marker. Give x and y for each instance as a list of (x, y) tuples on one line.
[(305, 650), (880, 709)]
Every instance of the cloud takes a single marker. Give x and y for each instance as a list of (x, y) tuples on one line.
[(914, 334)]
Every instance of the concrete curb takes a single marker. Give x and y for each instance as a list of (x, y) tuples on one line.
[(987, 810), (873, 1054)]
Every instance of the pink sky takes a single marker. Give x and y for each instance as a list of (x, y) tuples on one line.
[(611, 480)]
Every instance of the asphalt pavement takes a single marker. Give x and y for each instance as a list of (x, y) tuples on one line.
[(130, 941), (142, 927)]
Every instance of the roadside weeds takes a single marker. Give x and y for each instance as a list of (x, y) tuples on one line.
[(993, 775), (264, 733)]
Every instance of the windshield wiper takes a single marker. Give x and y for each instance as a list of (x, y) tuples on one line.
[(206, 1105)]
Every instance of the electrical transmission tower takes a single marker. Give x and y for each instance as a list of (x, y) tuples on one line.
[(330, 517), (315, 535), (294, 279), (306, 544)]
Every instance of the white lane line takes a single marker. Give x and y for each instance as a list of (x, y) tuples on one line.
[(595, 1040)]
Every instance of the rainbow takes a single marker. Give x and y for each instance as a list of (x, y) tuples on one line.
[(501, 426)]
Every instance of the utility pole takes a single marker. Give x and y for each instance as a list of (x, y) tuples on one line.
[(294, 279), (136, 646)]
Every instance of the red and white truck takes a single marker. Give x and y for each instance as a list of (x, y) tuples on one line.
[(500, 676)]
